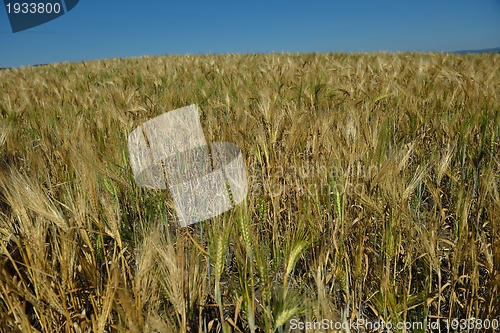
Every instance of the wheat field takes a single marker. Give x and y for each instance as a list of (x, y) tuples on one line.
[(373, 194)]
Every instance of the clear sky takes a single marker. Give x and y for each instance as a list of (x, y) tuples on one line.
[(123, 28)]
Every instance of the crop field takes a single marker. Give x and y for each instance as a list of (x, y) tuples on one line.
[(373, 196)]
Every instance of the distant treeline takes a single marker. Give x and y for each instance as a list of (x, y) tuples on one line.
[(495, 50), (2, 68)]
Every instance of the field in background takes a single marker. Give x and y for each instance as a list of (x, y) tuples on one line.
[(373, 193)]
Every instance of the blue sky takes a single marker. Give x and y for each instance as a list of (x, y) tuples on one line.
[(112, 28)]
